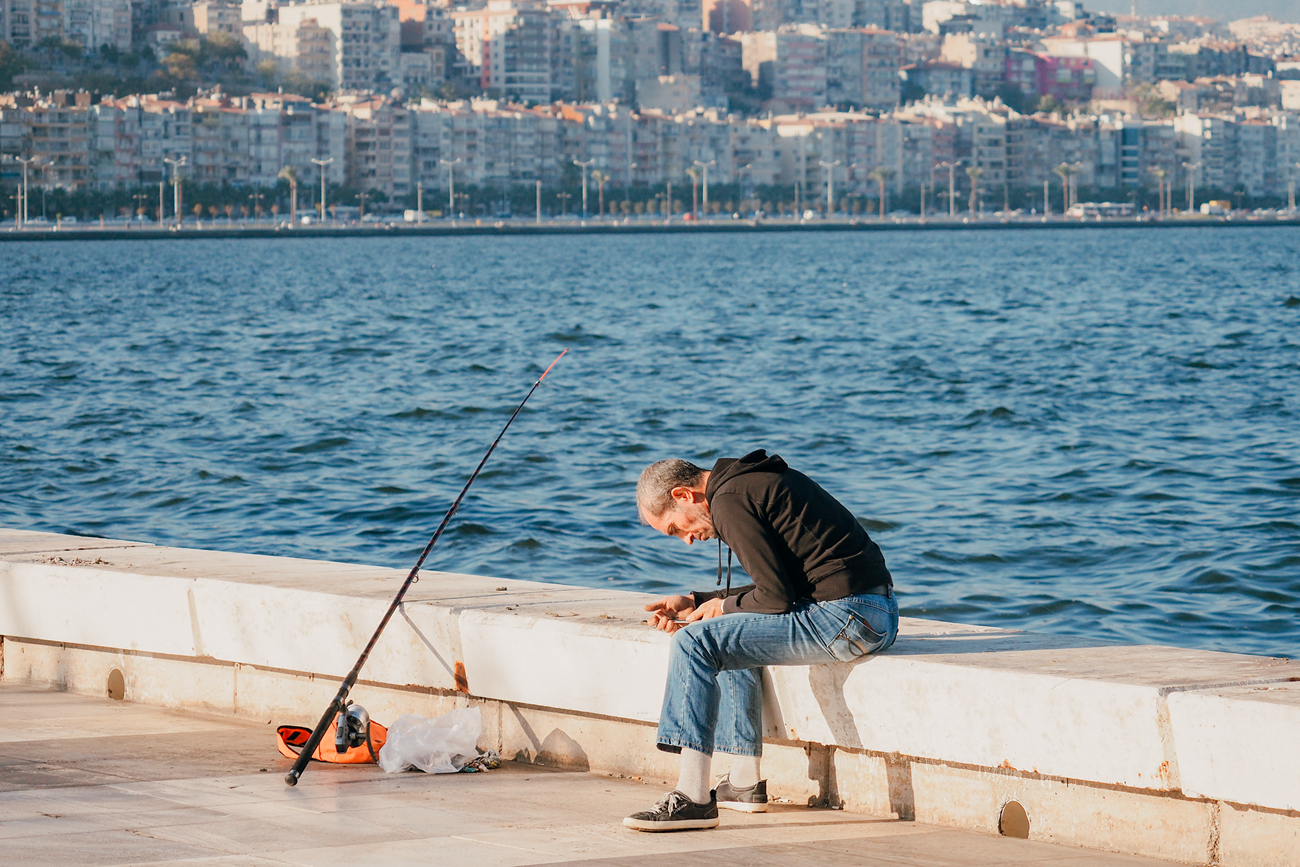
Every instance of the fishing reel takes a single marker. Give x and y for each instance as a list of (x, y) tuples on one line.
[(351, 728)]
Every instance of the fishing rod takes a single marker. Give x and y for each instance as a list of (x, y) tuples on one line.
[(339, 703)]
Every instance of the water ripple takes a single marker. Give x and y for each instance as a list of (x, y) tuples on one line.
[(1087, 433)]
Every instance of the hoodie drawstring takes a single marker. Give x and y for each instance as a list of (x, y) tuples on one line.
[(719, 584)]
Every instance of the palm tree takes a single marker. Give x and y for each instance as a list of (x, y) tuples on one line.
[(601, 178), (1065, 170), (881, 174), (290, 174), (974, 173)]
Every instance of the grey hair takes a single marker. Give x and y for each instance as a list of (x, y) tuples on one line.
[(654, 489)]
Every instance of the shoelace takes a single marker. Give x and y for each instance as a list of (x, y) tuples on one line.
[(669, 803)]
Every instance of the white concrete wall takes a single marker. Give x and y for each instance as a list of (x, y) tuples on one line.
[(977, 714)]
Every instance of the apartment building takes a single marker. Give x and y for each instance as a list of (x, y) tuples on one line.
[(1255, 161), (215, 16), (58, 137), (1110, 55), (790, 62), (1130, 151), (1208, 142), (946, 80), (388, 146), (726, 16), (88, 23), (508, 44), (350, 45), (303, 46), (983, 54), (378, 149), (862, 68), (717, 60)]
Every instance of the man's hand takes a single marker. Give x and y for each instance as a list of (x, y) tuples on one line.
[(664, 613), (711, 608)]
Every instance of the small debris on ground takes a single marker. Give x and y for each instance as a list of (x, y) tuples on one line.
[(52, 560), (488, 761)]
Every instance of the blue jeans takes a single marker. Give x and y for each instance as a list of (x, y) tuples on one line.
[(714, 696)]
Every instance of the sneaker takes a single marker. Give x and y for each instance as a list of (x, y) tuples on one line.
[(676, 812), (751, 799)]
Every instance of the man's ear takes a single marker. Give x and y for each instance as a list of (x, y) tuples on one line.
[(686, 496)]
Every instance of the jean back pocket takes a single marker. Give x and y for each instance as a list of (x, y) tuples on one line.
[(855, 640)]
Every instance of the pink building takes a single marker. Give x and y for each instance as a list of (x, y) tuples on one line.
[(1037, 75)]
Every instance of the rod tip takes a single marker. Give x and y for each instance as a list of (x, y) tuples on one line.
[(553, 363), (291, 778)]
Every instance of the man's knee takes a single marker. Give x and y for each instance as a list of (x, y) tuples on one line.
[(688, 644)]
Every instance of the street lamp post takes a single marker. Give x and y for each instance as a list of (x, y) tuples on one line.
[(830, 185), (26, 162), (1191, 185), (951, 166), (539, 202), (627, 187), (974, 173), (322, 164), (1065, 171), (588, 164), (694, 174), (1160, 174), (176, 187), (451, 185), (139, 205), (705, 167), (419, 202)]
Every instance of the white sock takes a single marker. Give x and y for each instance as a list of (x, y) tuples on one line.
[(744, 771), (694, 780)]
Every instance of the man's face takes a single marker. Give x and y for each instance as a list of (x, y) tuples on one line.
[(690, 522)]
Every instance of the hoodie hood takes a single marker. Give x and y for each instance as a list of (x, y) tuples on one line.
[(726, 469)]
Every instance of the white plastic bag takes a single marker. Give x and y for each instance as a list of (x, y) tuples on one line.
[(438, 746)]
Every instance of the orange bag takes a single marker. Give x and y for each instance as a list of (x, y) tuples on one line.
[(291, 739)]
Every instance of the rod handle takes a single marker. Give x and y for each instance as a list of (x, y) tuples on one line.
[(304, 757)]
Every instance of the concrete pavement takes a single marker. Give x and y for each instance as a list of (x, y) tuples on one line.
[(90, 781)]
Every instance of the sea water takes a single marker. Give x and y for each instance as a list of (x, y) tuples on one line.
[(1085, 432)]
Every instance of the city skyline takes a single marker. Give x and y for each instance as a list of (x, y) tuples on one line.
[(1220, 10)]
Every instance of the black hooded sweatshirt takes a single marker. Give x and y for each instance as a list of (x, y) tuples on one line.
[(794, 539)]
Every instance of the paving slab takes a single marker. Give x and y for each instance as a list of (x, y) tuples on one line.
[(88, 781)]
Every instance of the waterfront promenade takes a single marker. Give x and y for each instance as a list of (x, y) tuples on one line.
[(1143, 750), (597, 226), (89, 782)]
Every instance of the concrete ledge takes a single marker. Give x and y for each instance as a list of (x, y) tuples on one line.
[(1179, 754)]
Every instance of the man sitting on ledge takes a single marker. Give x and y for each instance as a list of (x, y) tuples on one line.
[(821, 593)]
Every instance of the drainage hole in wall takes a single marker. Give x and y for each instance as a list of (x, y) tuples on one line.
[(116, 685), (1014, 822)]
